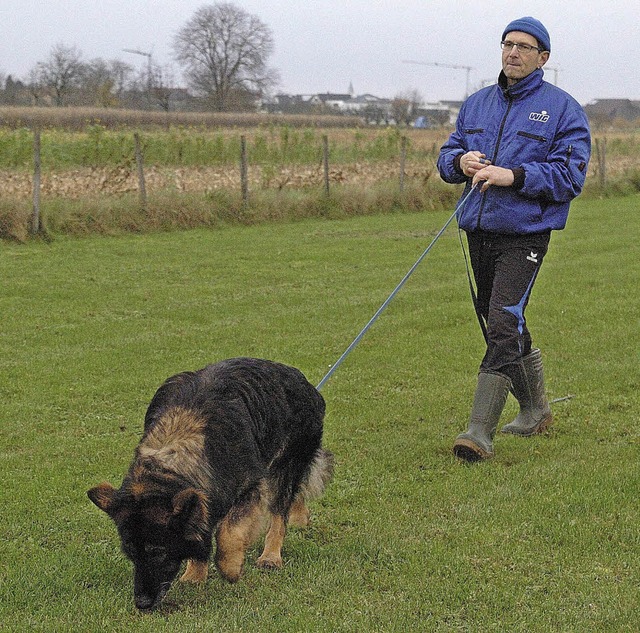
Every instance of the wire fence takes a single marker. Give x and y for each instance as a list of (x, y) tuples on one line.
[(141, 171)]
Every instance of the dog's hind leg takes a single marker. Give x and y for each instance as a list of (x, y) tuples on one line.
[(299, 515), (271, 557), (196, 571), (238, 530), (312, 486)]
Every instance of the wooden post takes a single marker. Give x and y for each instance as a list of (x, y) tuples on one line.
[(601, 155), (325, 162), (244, 175), (35, 218), (403, 160), (142, 189)]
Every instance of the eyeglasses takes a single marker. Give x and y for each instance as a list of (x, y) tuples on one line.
[(522, 48)]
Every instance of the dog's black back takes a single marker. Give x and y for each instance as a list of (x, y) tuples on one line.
[(264, 406), (220, 446)]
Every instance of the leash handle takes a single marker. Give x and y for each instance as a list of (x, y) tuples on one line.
[(390, 298)]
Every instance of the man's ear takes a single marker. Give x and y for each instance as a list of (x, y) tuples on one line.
[(190, 507), (103, 496)]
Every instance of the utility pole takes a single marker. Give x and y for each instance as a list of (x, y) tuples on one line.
[(455, 66)]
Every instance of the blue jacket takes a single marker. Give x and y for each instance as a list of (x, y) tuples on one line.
[(531, 126)]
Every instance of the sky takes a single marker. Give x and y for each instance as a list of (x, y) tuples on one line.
[(328, 45)]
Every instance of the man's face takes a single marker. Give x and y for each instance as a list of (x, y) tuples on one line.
[(518, 65)]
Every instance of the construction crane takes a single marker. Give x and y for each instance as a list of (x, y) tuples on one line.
[(555, 70), (455, 66), (136, 51)]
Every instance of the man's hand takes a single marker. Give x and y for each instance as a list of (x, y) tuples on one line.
[(472, 162), (492, 175)]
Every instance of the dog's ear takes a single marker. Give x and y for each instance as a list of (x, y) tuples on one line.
[(103, 496), (190, 507)]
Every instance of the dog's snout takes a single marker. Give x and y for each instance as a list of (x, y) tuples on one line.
[(145, 602)]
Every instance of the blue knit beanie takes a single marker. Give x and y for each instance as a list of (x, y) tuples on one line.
[(532, 27)]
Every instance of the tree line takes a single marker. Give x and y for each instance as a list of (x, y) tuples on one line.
[(222, 52)]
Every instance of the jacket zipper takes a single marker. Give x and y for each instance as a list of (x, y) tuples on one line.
[(569, 152), (495, 155)]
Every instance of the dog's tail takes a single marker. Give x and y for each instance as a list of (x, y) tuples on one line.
[(319, 476)]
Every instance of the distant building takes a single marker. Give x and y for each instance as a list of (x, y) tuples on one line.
[(437, 114), (332, 100), (372, 109)]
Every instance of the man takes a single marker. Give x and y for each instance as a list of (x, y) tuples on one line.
[(525, 145)]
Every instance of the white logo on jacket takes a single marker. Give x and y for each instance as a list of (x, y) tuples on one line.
[(533, 257), (542, 117)]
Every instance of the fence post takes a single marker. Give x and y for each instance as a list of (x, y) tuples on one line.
[(601, 155), (403, 160), (325, 162), (244, 176), (142, 189), (35, 218)]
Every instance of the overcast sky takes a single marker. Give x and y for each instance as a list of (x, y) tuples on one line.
[(324, 45)]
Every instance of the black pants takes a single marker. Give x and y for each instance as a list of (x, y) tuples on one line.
[(505, 268)]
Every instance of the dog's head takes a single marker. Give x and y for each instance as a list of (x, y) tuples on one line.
[(157, 533)]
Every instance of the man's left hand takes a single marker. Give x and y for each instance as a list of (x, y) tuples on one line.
[(492, 175)]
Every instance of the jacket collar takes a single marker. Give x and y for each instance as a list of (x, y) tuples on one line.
[(523, 87)]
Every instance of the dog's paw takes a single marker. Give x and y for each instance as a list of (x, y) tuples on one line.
[(269, 562)]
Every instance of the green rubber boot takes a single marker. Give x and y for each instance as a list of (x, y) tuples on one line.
[(527, 382), (491, 394)]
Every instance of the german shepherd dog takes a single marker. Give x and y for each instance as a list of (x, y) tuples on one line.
[(224, 449)]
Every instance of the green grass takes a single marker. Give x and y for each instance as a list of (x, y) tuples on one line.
[(542, 538), (97, 146)]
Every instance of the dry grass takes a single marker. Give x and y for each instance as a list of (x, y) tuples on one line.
[(171, 209), (75, 183), (111, 118)]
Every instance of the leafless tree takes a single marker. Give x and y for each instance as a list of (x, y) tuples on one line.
[(62, 72), (35, 87), (103, 82), (223, 51), (161, 85), (405, 105)]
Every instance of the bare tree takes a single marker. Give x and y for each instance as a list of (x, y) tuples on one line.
[(161, 85), (61, 73), (103, 82), (121, 73), (37, 91), (223, 51), (405, 105)]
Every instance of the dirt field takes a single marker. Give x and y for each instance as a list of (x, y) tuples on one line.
[(79, 183)]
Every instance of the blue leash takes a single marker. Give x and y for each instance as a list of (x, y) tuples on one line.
[(390, 298)]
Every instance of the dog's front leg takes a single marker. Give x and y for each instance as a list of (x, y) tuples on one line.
[(238, 530), (196, 571)]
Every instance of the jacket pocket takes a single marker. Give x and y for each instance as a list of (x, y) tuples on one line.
[(535, 137)]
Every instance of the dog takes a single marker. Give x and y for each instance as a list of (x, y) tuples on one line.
[(230, 450)]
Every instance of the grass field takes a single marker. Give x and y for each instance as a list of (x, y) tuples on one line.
[(545, 537)]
